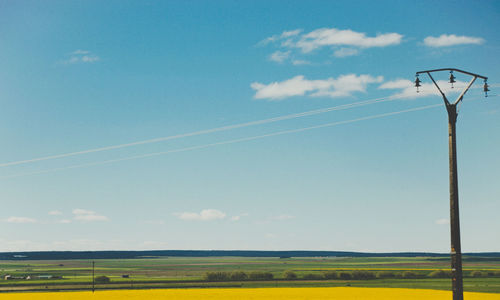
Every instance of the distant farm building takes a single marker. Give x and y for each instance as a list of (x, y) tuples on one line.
[(10, 277)]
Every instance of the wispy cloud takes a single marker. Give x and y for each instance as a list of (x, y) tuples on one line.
[(80, 52), (87, 215), (279, 56), (204, 215), (344, 52), (238, 217), (446, 40), (283, 217), (344, 85), (55, 213), (283, 35), (81, 56), (300, 62), (443, 221), (20, 220)]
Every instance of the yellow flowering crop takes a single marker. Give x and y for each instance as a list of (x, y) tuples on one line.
[(338, 293)]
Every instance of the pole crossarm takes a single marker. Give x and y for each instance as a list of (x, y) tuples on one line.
[(447, 103), (454, 70)]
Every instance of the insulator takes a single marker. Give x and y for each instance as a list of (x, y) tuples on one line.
[(486, 88), (452, 78), (417, 83)]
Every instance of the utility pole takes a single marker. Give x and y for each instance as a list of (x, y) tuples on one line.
[(456, 250)]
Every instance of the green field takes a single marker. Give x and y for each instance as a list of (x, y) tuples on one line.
[(173, 272)]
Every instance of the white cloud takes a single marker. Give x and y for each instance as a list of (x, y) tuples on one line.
[(299, 62), (64, 221), (77, 52), (81, 56), (287, 34), (89, 58), (204, 215), (87, 215), (396, 84), (443, 221), (335, 37), (279, 56), (344, 85), (55, 213), (345, 42), (283, 35), (445, 40), (408, 90), (238, 217), (282, 217), (91, 218), (79, 211), (344, 52), (20, 220)]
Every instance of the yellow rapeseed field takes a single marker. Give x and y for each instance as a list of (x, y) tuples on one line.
[(338, 293)]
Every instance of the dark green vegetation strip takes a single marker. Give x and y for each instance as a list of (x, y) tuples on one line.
[(59, 255)]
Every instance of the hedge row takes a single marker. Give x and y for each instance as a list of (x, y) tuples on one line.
[(238, 276), (342, 275)]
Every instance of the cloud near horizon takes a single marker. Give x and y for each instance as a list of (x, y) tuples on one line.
[(443, 221), (282, 217), (344, 85), (204, 215), (446, 40), (20, 220), (87, 215)]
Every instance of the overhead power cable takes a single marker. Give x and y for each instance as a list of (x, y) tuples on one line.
[(207, 131), (226, 142)]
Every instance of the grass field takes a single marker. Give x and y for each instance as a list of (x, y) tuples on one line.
[(184, 272)]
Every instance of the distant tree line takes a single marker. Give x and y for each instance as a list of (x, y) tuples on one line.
[(238, 276), (340, 275), (56, 255)]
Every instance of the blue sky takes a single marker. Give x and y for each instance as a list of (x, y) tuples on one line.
[(86, 75)]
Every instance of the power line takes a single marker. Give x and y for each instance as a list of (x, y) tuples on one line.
[(207, 131), (223, 128), (226, 142)]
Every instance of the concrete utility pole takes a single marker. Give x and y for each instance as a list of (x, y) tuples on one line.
[(456, 250)]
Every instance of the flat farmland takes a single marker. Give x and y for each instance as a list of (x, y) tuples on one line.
[(480, 274)]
